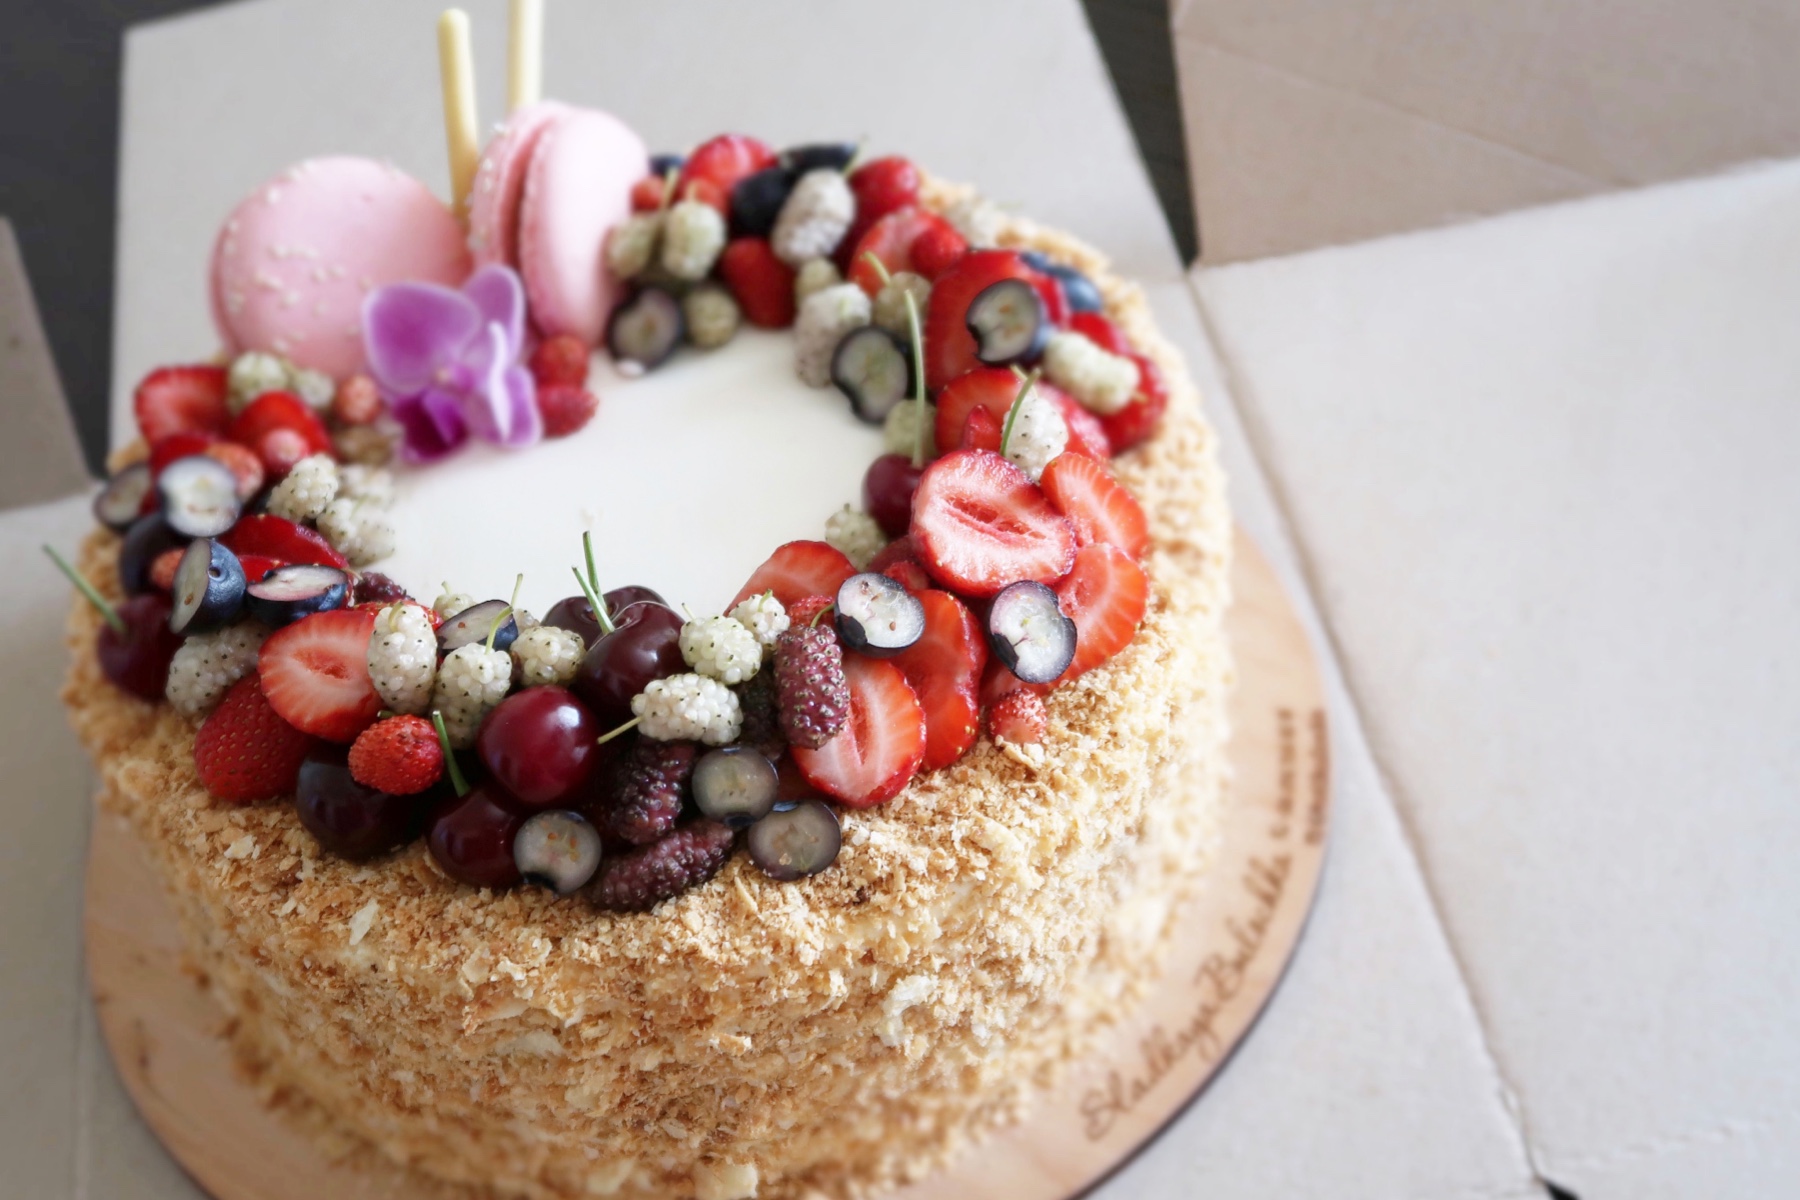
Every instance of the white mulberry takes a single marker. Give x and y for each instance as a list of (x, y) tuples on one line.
[(823, 321), (721, 648), (890, 303), (763, 615), (693, 238), (1100, 380), (449, 603), (206, 665), (815, 217), (688, 708), (815, 275), (315, 387), (471, 681), (306, 490), (631, 247), (1039, 433), (855, 533), (252, 374), (712, 316), (403, 658), (547, 654), (357, 530), (978, 219), (372, 485)]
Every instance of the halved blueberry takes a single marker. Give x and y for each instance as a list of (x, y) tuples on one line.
[(1007, 321), (148, 537), (756, 200), (199, 496), (121, 501), (871, 366), (735, 786), (878, 617), (558, 849), (810, 157), (645, 330), (473, 624), (1029, 633), (286, 594), (209, 588), (796, 842)]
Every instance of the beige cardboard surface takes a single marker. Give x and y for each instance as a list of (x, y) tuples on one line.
[(1316, 121), (39, 457), (1540, 469)]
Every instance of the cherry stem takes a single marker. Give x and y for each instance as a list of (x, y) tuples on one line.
[(881, 269), (668, 192), (918, 357), (1012, 413), (627, 727), (106, 611), (457, 781), (592, 587)]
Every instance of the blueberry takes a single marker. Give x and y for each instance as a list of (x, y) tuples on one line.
[(559, 850), (209, 588), (735, 786), (288, 593), (812, 156), (1029, 634), (756, 200), (876, 616), (1077, 288), (199, 496), (871, 366), (148, 537), (796, 842), (122, 499), (475, 623), (645, 330), (662, 164), (1008, 322)]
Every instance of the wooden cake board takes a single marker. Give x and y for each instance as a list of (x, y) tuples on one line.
[(165, 1032)]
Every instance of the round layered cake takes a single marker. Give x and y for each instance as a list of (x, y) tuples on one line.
[(532, 978)]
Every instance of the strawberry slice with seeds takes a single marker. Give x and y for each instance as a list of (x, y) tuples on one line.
[(997, 683), (949, 346), (899, 561), (281, 539), (944, 668), (762, 284), (1105, 594), (881, 745), (981, 431), (980, 524), (1099, 506), (891, 240), (715, 167), (244, 751), (797, 570), (315, 673), (173, 400), (993, 390), (1087, 433), (274, 411)]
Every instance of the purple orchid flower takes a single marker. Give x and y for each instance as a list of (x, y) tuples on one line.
[(447, 361)]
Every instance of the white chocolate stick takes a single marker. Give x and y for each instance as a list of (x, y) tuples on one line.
[(525, 54), (456, 69)]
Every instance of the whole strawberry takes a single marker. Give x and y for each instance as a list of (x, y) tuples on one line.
[(811, 693), (643, 878), (644, 791), (400, 756), (1020, 717), (565, 408), (244, 751)]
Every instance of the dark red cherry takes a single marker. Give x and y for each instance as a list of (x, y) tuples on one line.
[(644, 646), (471, 837), (137, 660), (888, 492), (577, 615), (540, 745), (350, 820)]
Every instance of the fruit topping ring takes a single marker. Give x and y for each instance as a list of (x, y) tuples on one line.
[(620, 748)]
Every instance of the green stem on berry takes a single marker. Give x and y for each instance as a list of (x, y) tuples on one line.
[(814, 623), (668, 192), (457, 781), (591, 589), (627, 727), (855, 159), (1012, 414), (106, 611), (874, 260), (511, 609), (918, 357)]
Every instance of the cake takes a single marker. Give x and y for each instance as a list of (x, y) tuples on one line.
[(894, 823)]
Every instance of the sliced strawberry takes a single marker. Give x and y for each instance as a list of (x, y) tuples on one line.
[(315, 673), (281, 539), (881, 745), (720, 163), (797, 570), (1099, 329), (181, 400), (981, 431), (991, 388), (899, 560), (762, 284), (891, 240), (1087, 435), (1135, 422), (938, 249), (944, 668), (981, 524), (790, 784), (244, 751), (997, 683), (1099, 506), (707, 192), (257, 565), (273, 411), (165, 450), (949, 346), (1105, 595), (245, 467), (884, 185), (1056, 301)]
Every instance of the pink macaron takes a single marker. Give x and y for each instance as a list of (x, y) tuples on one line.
[(500, 183), (577, 188), (295, 259)]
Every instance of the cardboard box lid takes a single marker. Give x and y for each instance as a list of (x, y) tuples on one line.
[(39, 457)]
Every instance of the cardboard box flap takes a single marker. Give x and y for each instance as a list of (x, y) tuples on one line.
[(39, 457)]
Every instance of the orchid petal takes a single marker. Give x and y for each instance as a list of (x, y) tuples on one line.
[(527, 422), (410, 330), (431, 426), (485, 403), (496, 291)]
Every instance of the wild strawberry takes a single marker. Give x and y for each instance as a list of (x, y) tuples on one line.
[(949, 346), (181, 400), (720, 163), (279, 411), (796, 570), (357, 401), (565, 408), (244, 751), (644, 789), (273, 537), (177, 446), (562, 359), (281, 450), (891, 240), (399, 756), (806, 609), (244, 465), (937, 249), (882, 742), (1021, 717), (762, 283), (810, 691), (997, 683), (980, 525), (647, 194), (315, 673), (162, 570), (944, 668), (1099, 506), (641, 879), (1105, 594)]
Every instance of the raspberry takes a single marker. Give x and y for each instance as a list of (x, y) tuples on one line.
[(1038, 433), (693, 238), (1019, 717), (548, 655), (403, 658), (245, 467), (763, 615), (811, 692), (688, 857), (890, 302), (399, 756), (712, 316), (825, 317), (854, 533), (207, 665), (566, 408), (562, 359), (762, 715), (645, 789), (470, 682), (688, 708), (721, 648), (306, 490), (815, 217), (252, 374), (1100, 381), (372, 587), (358, 401), (632, 244), (805, 610), (900, 432), (815, 275)]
